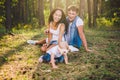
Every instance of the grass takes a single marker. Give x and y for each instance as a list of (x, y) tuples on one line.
[(19, 60)]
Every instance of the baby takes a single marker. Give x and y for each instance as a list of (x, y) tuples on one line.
[(57, 53)]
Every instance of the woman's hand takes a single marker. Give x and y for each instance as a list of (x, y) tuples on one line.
[(46, 31)]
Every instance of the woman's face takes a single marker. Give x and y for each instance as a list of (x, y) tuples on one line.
[(71, 15), (57, 16)]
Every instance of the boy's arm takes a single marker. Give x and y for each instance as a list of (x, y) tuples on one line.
[(82, 36)]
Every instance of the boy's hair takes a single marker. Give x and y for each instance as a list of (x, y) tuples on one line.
[(73, 8)]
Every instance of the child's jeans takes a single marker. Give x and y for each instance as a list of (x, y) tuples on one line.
[(47, 58)]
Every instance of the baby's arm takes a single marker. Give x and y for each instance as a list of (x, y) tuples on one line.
[(53, 61)]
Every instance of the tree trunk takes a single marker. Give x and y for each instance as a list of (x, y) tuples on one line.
[(30, 11), (16, 12), (100, 7), (89, 14), (57, 4), (41, 12), (8, 15), (35, 8), (26, 11), (67, 4), (51, 6), (95, 13), (82, 9), (20, 7)]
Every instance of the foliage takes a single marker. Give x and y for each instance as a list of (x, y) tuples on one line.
[(104, 22), (112, 11), (26, 12), (34, 22), (14, 3)]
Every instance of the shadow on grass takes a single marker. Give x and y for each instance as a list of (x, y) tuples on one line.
[(3, 57)]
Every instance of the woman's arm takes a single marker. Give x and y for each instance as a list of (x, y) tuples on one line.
[(61, 33), (49, 34)]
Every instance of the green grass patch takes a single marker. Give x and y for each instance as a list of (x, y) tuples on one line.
[(19, 60)]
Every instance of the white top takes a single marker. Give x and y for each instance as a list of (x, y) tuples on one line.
[(79, 22), (55, 51), (55, 33)]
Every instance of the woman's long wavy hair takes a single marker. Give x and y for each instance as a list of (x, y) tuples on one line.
[(62, 20)]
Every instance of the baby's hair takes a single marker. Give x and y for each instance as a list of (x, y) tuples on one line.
[(63, 45)]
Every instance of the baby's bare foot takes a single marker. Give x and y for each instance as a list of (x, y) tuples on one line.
[(55, 67)]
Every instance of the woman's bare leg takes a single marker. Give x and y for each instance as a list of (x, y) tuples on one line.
[(43, 41)]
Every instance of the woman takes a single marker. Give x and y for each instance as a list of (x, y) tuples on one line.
[(57, 26)]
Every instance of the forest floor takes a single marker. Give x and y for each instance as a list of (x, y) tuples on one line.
[(19, 60)]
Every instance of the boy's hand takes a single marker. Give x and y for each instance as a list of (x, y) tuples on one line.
[(69, 63), (89, 50)]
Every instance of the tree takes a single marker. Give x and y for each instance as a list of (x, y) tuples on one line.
[(26, 11), (67, 4), (21, 10), (82, 9), (41, 12), (95, 9), (99, 7), (51, 6), (8, 15), (89, 13)]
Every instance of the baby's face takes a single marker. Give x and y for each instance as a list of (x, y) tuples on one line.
[(43, 48)]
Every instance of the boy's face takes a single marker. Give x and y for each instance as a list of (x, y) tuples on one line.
[(72, 15)]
